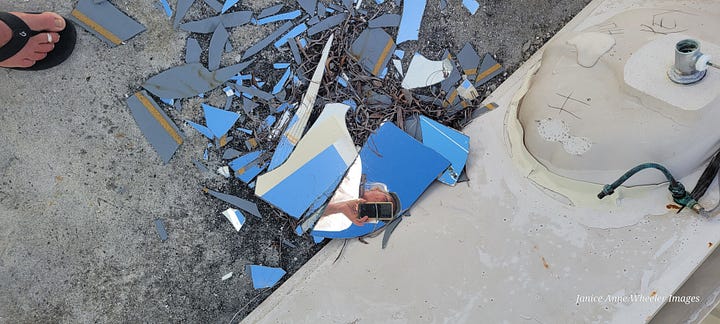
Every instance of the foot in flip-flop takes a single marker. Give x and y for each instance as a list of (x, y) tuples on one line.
[(35, 41)]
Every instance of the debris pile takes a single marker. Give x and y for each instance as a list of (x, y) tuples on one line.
[(292, 135)]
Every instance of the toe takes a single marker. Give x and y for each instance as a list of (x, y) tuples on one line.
[(44, 48), (46, 21)]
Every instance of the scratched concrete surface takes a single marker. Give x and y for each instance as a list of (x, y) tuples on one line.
[(80, 187)]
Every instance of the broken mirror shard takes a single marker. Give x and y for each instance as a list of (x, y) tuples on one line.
[(327, 23), (219, 121), (228, 4), (238, 202), (297, 30), (160, 228), (267, 40), (471, 5), (264, 277), (269, 11), (208, 25), (423, 72), (214, 4), (192, 51), (412, 14), (105, 21), (279, 17), (226, 276), (314, 168), (236, 218), (451, 144), (156, 126), (202, 129), (487, 70), (180, 10), (386, 20), (308, 6), (230, 154), (188, 80), (166, 7), (217, 46), (372, 49), (392, 162), (469, 60), (297, 125)]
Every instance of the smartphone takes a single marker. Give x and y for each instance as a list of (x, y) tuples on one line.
[(377, 210)]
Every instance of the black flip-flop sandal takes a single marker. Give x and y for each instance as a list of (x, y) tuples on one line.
[(21, 33)]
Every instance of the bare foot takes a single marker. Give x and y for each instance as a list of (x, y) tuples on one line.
[(37, 46)]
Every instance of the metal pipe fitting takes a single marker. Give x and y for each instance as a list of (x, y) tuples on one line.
[(690, 64)]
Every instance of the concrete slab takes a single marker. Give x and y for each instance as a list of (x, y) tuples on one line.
[(500, 250)]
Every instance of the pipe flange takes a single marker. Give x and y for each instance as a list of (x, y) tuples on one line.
[(676, 77)]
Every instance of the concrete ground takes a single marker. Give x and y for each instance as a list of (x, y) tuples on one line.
[(80, 187)]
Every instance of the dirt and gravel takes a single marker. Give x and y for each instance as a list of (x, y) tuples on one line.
[(80, 187)]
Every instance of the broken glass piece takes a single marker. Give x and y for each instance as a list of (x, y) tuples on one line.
[(389, 229), (224, 171), (181, 9), (327, 23), (412, 14), (168, 102), (228, 4), (190, 79), (251, 143), (289, 244), (488, 69), (471, 5), (217, 46), (399, 53), (251, 172), (297, 30), (254, 92), (386, 20), (267, 123), (219, 121), (295, 51), (451, 144), (467, 91), (398, 66), (463, 176), (302, 42), (308, 5), (313, 20), (280, 124), (469, 60), (267, 40), (208, 25), (201, 167), (351, 103), (243, 161), (230, 154), (160, 228), (321, 10), (202, 129), (105, 21), (228, 91), (283, 148), (280, 66), (192, 51), (412, 127), (215, 5), (264, 277), (372, 49), (318, 239), (302, 115), (443, 5), (235, 201), (269, 11), (279, 17), (166, 7), (228, 46), (320, 160), (158, 128), (342, 81), (423, 72), (393, 158), (249, 105), (226, 276), (236, 218), (448, 84)]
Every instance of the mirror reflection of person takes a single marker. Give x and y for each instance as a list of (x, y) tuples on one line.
[(353, 191)]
